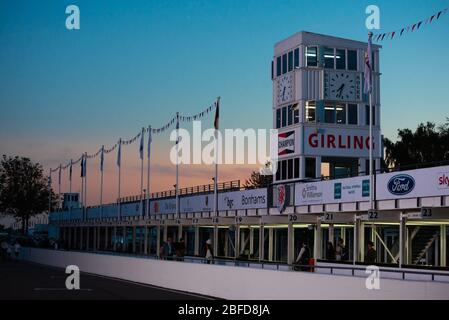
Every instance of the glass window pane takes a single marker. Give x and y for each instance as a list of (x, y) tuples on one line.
[(329, 61), (296, 113), (278, 118), (284, 170), (290, 61), (290, 169), (312, 56), (352, 114), (341, 113), (352, 60), (340, 57), (329, 114), (272, 71), (296, 168), (310, 111), (367, 115), (278, 66), (284, 63), (284, 117), (290, 115), (296, 58), (310, 168)]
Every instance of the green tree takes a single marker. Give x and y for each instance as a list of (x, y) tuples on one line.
[(428, 143), (257, 180), (24, 190)]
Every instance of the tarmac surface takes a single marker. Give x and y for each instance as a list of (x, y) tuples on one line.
[(28, 281)]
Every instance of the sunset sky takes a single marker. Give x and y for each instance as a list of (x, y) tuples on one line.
[(136, 63)]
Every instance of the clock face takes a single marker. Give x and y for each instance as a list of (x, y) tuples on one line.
[(285, 89), (342, 86)]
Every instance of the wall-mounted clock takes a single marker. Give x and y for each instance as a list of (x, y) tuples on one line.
[(342, 86), (285, 88)]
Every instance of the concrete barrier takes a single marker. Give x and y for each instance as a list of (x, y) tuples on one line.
[(236, 282)]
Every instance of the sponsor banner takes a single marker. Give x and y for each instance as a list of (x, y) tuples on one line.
[(286, 143), (197, 203), (339, 142), (247, 199), (130, 209), (426, 182), (164, 206), (333, 191)]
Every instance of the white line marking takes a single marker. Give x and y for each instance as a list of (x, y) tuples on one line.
[(60, 289)]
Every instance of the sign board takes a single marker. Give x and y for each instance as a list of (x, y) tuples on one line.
[(199, 203), (164, 206), (340, 142), (245, 199), (426, 182), (286, 143), (333, 191)]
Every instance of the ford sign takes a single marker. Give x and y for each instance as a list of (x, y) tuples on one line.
[(401, 184)]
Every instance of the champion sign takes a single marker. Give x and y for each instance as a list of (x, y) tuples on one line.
[(286, 143), (401, 184)]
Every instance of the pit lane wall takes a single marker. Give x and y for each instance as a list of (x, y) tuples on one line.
[(231, 282)]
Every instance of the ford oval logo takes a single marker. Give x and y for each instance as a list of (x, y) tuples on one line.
[(401, 184)]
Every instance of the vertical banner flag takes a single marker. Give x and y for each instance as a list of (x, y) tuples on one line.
[(141, 145), (368, 66), (82, 166), (70, 170), (217, 114), (59, 174), (177, 128), (149, 141), (102, 158), (119, 152)]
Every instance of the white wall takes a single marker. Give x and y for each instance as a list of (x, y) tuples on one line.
[(236, 282)]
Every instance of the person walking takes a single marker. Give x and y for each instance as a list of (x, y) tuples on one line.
[(303, 257), (209, 251), (180, 250), (169, 249), (330, 251)]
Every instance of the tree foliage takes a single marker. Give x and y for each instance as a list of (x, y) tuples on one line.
[(24, 190), (428, 143), (258, 180)]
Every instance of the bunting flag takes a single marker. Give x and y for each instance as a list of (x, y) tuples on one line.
[(410, 28)]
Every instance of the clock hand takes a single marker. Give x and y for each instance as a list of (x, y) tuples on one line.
[(283, 93)]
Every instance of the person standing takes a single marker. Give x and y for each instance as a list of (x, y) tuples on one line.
[(209, 251), (339, 250), (371, 254), (303, 257), (169, 249), (330, 252)]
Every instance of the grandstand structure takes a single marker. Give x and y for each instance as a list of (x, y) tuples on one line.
[(320, 192)]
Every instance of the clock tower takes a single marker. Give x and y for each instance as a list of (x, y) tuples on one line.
[(320, 110)]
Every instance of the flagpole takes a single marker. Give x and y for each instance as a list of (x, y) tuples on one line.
[(370, 34), (85, 181), (119, 177), (59, 186), (70, 188), (141, 172), (101, 181), (216, 164), (177, 165), (49, 192), (148, 171), (82, 184)]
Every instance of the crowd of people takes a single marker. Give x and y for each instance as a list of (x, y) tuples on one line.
[(170, 250)]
